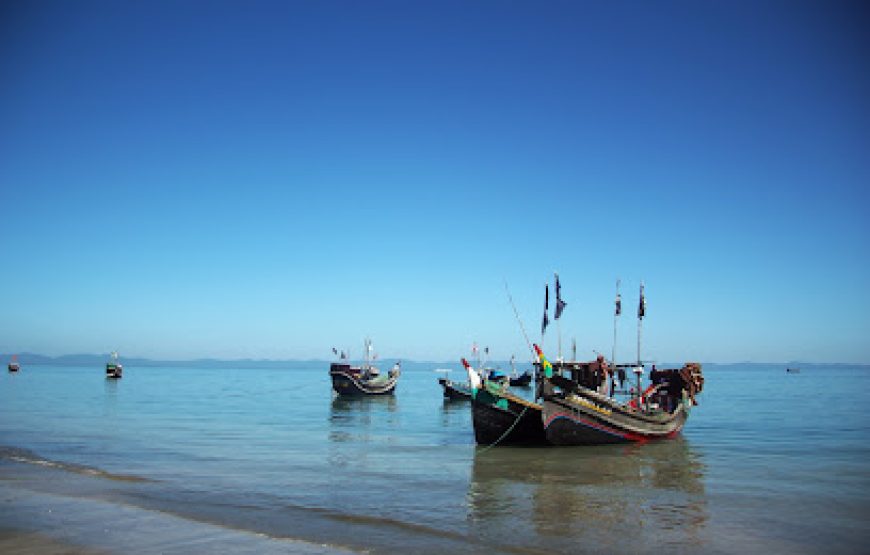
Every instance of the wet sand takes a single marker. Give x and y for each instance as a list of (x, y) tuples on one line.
[(35, 522), (18, 542)]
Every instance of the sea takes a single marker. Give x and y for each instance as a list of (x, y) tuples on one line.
[(269, 460)]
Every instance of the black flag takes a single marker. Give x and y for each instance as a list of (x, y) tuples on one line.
[(560, 304), (641, 308), (546, 306), (618, 304)]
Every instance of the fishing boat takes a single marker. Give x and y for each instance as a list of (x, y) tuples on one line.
[(365, 379), (13, 364), (521, 380), (793, 370), (500, 417), (579, 403), (518, 380), (576, 412), (114, 369), (454, 390)]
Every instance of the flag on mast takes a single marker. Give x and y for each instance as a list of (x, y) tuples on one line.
[(560, 304), (618, 304), (641, 308), (545, 364), (546, 306)]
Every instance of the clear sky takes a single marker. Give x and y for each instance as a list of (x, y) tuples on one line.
[(272, 179)]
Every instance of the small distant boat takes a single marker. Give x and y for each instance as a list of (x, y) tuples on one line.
[(519, 380), (365, 379), (13, 364), (114, 369), (501, 417), (454, 391), (793, 370), (522, 380)]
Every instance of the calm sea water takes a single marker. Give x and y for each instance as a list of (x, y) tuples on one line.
[(769, 462)]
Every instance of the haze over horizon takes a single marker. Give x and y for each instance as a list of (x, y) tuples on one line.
[(274, 179)]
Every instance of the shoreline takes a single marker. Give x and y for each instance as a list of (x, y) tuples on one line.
[(35, 521)]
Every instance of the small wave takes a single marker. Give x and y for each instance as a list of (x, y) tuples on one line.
[(19, 455), (422, 529)]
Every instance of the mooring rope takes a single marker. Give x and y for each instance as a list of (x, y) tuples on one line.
[(504, 435)]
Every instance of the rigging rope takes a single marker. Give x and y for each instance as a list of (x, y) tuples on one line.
[(519, 321)]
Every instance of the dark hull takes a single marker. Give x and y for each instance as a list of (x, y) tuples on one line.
[(513, 423), (593, 421), (13, 368), (114, 372), (455, 391), (523, 380), (345, 383)]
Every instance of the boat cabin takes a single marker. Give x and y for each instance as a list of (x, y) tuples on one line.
[(566, 374)]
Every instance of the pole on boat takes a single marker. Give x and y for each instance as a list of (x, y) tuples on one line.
[(557, 314), (616, 314), (546, 321), (367, 353), (641, 312)]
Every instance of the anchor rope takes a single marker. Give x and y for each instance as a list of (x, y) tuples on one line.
[(504, 435)]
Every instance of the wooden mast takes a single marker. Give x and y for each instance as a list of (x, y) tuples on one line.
[(641, 311), (616, 312)]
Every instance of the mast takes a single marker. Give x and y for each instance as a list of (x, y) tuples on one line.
[(617, 311), (545, 320), (616, 314), (560, 306), (368, 353), (641, 312)]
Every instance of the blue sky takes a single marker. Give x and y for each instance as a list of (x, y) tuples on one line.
[(258, 179)]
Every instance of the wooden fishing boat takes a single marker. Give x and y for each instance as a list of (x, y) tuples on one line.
[(521, 380), (365, 379), (114, 369), (501, 417), (455, 390), (576, 412), (13, 364)]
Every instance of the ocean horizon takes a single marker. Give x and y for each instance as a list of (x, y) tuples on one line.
[(80, 359)]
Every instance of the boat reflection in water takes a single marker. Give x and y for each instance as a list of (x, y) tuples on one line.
[(362, 419), (610, 499)]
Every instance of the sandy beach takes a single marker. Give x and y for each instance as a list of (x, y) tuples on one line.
[(65, 522)]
